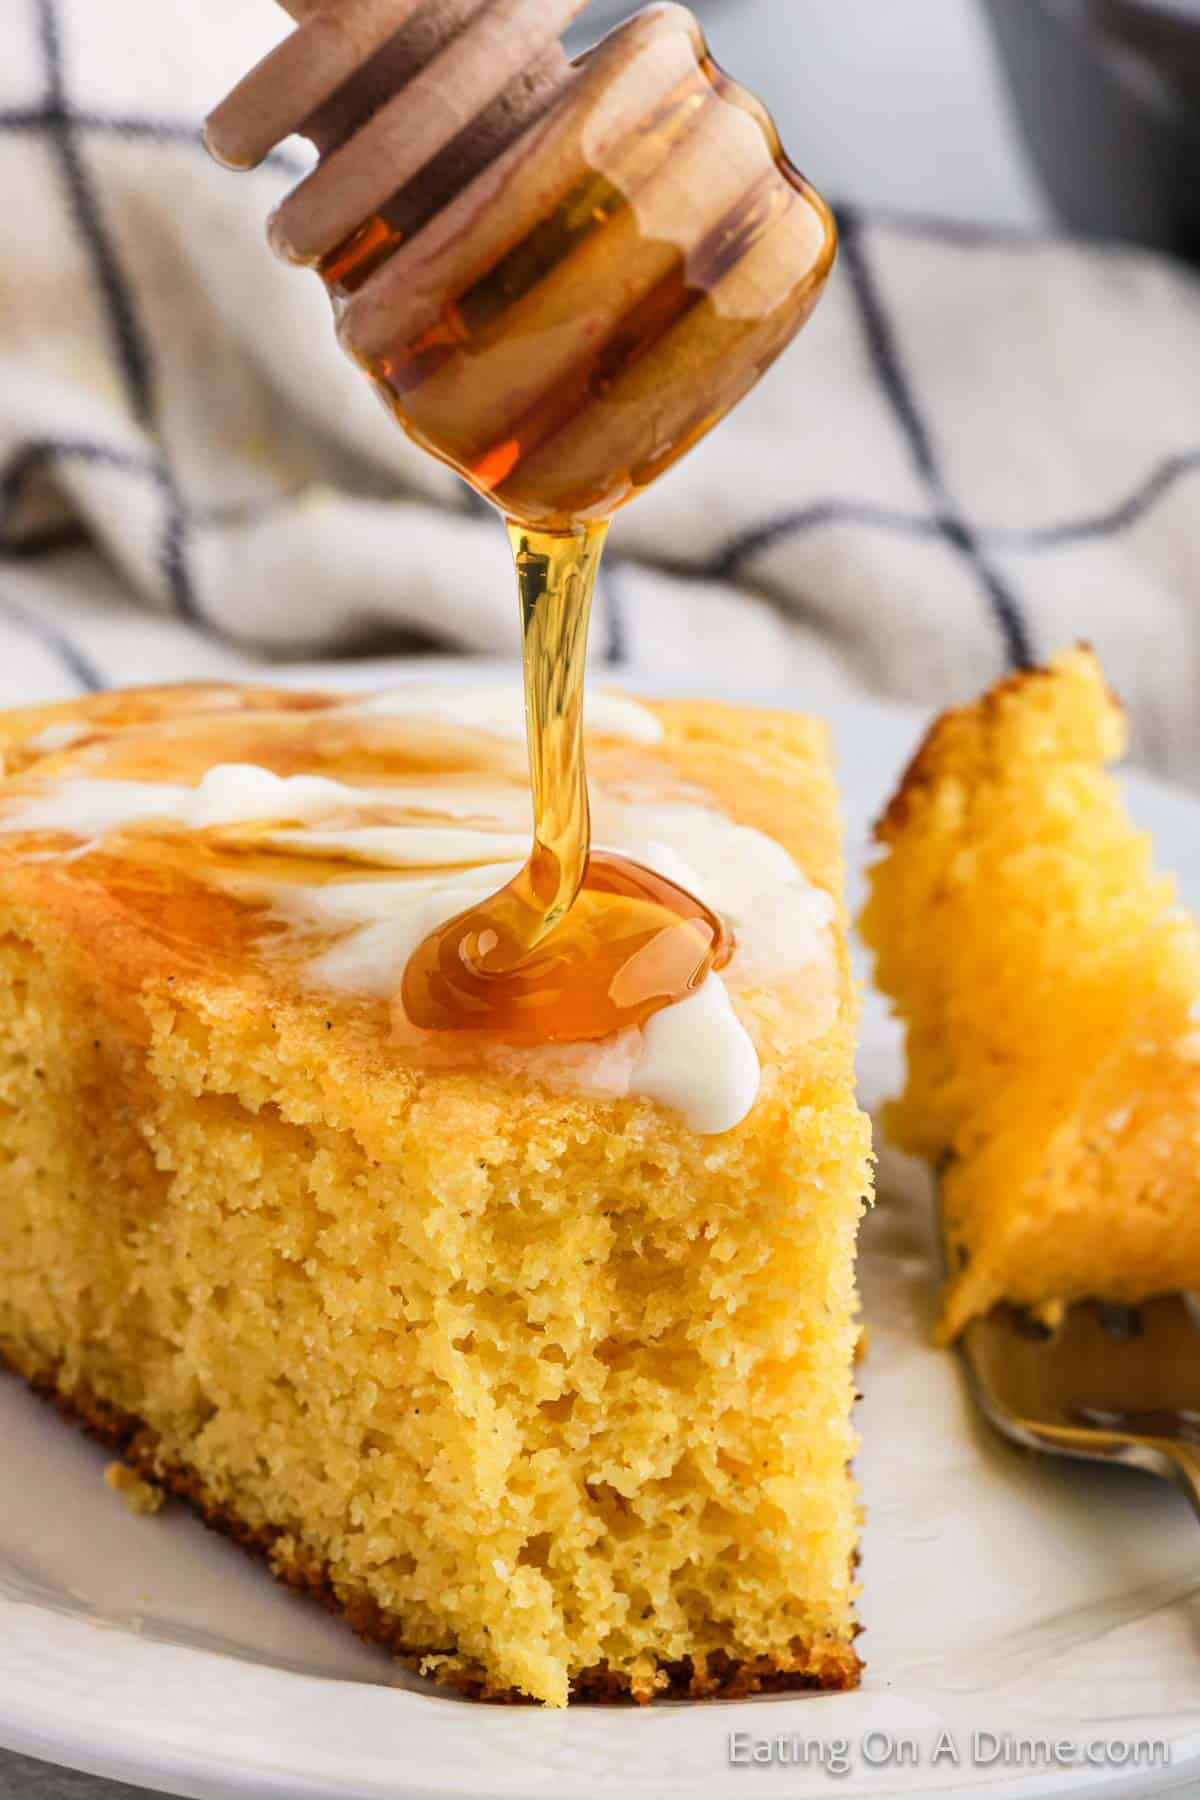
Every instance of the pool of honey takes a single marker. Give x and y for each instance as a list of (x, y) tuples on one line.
[(631, 944)]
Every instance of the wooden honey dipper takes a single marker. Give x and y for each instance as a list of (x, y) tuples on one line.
[(560, 274)]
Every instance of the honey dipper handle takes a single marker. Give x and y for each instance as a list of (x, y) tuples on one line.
[(405, 100)]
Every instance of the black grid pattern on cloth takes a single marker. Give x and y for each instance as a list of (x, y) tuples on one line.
[(69, 130)]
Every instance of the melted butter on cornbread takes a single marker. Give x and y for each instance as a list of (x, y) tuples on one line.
[(351, 829)]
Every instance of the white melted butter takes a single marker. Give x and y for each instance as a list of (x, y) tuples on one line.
[(467, 839), (381, 922), (400, 846), (490, 709), (780, 920), (59, 736), (232, 794), (698, 1058)]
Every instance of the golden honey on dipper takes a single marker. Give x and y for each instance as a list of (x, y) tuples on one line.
[(560, 275)]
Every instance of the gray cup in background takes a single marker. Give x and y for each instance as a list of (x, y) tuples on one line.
[(1108, 96), (604, 13)]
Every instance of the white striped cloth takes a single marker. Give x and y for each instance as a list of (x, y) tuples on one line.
[(986, 445)]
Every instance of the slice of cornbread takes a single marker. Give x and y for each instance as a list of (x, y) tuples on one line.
[(1050, 987), (514, 1368)]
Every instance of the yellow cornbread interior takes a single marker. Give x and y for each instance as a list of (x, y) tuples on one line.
[(547, 1389), (1048, 982)]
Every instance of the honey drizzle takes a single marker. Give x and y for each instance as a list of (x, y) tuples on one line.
[(556, 582)]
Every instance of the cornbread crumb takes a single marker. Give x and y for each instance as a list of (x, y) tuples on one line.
[(1049, 984), (141, 1497)]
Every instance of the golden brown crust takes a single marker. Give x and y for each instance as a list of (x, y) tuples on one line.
[(923, 770), (923, 767), (832, 1668)]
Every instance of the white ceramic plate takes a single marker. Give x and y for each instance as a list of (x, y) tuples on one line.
[(1003, 1594)]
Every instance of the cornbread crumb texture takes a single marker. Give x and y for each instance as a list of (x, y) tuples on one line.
[(542, 1387), (141, 1497), (831, 1669), (1049, 984)]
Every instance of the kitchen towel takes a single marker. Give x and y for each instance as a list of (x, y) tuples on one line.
[(986, 445)]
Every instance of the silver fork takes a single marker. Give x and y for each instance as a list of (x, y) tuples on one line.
[(1109, 1384)]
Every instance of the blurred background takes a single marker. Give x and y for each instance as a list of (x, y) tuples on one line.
[(985, 446), (1014, 112), (900, 103)]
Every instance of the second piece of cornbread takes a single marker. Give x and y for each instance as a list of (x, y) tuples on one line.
[(1049, 983)]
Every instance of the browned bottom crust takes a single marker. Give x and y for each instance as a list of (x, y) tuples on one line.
[(832, 1668)]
